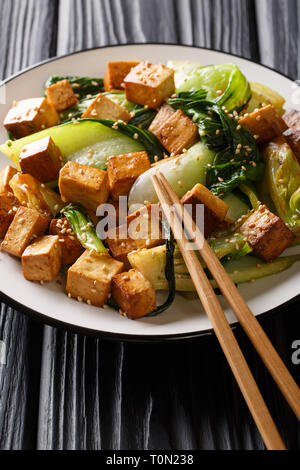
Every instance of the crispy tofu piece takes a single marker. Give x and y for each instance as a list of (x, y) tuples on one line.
[(144, 226), (134, 294), (116, 73), (179, 132), (149, 85), (83, 184), (29, 116), (27, 225), (123, 171), (89, 279), (42, 260), (292, 118), (265, 123), (164, 113), (121, 212), (120, 244), (71, 246), (41, 159), (215, 209), (61, 95), (292, 136), (5, 176), (105, 108), (9, 205), (267, 234)]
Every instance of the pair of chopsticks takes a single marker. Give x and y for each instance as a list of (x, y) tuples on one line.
[(178, 216)]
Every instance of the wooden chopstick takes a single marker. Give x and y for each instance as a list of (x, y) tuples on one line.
[(249, 323), (215, 313)]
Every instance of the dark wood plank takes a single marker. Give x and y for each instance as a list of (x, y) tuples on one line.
[(279, 34), (27, 35)]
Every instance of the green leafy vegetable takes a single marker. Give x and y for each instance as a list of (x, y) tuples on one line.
[(225, 84), (147, 139), (83, 228), (237, 157), (169, 271), (282, 178), (82, 86)]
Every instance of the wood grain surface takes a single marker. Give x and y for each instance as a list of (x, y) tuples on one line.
[(59, 390)]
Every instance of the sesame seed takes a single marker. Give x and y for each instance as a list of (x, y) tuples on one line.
[(42, 283), (220, 179), (80, 299), (70, 296), (94, 83), (239, 127)]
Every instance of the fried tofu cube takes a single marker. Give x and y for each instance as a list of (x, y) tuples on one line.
[(42, 260), (265, 123), (134, 294), (215, 209), (71, 246), (61, 95), (267, 234), (27, 225), (9, 205), (144, 226), (179, 132), (89, 279), (164, 113), (120, 244), (292, 118), (123, 171), (149, 85), (116, 73), (29, 116), (41, 159), (5, 176), (105, 108), (292, 136), (83, 184), (121, 212)]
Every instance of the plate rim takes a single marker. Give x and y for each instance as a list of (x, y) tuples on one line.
[(132, 338)]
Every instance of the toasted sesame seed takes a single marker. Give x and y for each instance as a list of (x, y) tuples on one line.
[(80, 299), (70, 295)]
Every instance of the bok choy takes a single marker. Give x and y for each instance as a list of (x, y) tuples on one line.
[(237, 159)]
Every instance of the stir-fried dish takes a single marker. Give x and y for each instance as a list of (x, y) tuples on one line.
[(78, 204)]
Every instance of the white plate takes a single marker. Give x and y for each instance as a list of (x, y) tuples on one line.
[(185, 318)]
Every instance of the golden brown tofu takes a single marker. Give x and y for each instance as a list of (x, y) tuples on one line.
[(164, 113), (120, 244), (71, 246), (42, 260), (149, 85), (121, 213), (105, 108), (267, 234), (123, 171), (89, 279), (28, 224), (29, 116), (8, 208), (83, 184), (5, 176), (61, 95), (144, 226), (35, 195), (41, 159), (215, 209), (134, 294), (292, 118), (179, 132), (292, 136), (264, 123), (116, 73)]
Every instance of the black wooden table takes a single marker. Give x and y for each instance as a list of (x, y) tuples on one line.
[(60, 390)]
